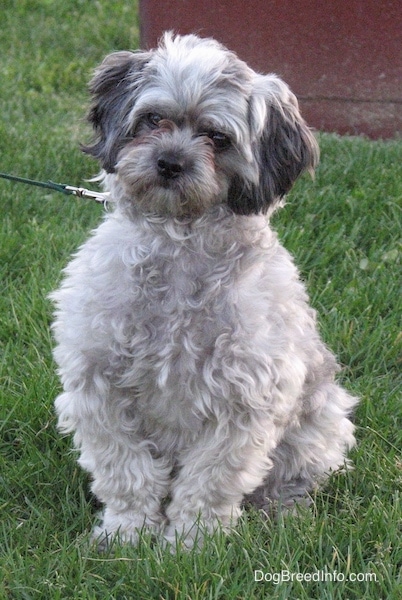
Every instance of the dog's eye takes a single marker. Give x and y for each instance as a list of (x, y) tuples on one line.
[(154, 119), (221, 140)]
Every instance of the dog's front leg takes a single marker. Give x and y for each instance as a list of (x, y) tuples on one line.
[(214, 475), (128, 476), (132, 484)]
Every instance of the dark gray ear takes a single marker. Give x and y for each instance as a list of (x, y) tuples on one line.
[(284, 146), (114, 89)]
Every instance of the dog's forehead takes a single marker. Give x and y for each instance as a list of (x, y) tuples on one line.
[(203, 84), (192, 58)]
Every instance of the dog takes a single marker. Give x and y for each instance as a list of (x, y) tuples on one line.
[(194, 378)]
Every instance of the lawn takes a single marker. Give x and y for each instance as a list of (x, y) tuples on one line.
[(344, 231)]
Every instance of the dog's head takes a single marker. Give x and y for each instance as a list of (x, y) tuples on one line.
[(189, 125)]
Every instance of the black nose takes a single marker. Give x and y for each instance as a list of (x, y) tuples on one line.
[(170, 166)]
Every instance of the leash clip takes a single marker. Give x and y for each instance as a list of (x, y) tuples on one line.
[(84, 193)]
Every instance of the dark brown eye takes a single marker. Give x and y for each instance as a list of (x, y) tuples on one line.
[(221, 140), (154, 119)]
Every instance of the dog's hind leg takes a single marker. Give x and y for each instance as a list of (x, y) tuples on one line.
[(309, 451)]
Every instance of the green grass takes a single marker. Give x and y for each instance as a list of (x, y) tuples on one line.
[(344, 231)]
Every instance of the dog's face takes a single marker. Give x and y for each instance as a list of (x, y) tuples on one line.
[(189, 125)]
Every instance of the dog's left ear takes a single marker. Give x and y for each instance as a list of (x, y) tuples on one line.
[(114, 88), (283, 144)]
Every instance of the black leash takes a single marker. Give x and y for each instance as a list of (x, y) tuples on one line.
[(70, 190)]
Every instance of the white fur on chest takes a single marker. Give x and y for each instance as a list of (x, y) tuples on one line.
[(166, 310)]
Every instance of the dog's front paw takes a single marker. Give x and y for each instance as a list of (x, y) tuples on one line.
[(184, 535), (192, 533), (125, 528), (104, 538)]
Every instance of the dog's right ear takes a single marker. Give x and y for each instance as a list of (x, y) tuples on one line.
[(114, 89)]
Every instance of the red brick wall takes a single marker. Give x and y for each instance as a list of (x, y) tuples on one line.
[(342, 58)]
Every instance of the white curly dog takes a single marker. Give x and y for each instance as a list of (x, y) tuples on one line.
[(193, 373)]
